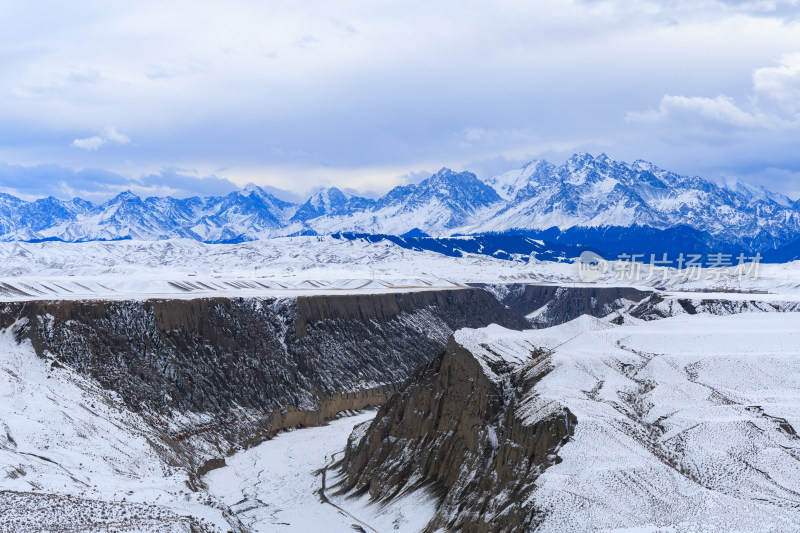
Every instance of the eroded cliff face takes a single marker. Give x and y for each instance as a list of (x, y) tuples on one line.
[(657, 306), (457, 429), (221, 373), (550, 305)]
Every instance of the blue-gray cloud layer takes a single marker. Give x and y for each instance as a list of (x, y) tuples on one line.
[(364, 95)]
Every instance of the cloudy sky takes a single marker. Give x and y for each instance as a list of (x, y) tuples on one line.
[(203, 97)]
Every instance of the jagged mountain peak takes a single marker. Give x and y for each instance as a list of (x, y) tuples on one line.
[(450, 177), (536, 164), (755, 192), (125, 196), (254, 191), (586, 160), (642, 165), (444, 172), (248, 190), (328, 196), (462, 187), (330, 201), (580, 157), (446, 184)]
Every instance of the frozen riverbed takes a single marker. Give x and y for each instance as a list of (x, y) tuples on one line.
[(275, 486)]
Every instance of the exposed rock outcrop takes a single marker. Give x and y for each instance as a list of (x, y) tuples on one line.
[(658, 306), (550, 305), (458, 429)]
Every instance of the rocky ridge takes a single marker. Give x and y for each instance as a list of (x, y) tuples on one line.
[(459, 429)]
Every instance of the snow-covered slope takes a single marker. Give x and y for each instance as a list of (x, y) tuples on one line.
[(510, 183), (74, 458), (698, 412)]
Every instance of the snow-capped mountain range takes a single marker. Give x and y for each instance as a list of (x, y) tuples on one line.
[(584, 192)]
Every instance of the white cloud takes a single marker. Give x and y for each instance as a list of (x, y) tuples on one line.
[(720, 111), (90, 144), (493, 139), (110, 135), (780, 83), (772, 104), (478, 134)]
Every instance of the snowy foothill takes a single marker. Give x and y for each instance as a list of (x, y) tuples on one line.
[(683, 424)]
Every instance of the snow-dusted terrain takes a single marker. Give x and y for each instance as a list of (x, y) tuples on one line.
[(683, 424), (73, 458), (292, 266)]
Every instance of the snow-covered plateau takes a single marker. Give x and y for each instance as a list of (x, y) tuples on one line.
[(291, 266)]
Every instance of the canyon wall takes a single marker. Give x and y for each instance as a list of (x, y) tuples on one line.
[(550, 305), (220, 373)]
